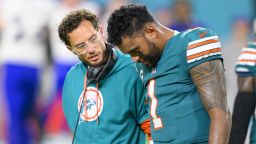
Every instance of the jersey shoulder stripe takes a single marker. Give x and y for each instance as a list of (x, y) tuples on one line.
[(246, 63), (247, 57), (203, 48)]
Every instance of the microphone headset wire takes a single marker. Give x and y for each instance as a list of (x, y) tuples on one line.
[(86, 83)]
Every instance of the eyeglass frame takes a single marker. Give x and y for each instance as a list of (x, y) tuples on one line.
[(92, 41)]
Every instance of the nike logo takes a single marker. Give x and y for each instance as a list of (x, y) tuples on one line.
[(201, 35)]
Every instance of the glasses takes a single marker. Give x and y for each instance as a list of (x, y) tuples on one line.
[(83, 47)]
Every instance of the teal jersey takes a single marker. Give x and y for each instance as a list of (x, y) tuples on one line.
[(113, 111), (177, 114), (253, 131), (143, 70), (246, 67), (246, 63)]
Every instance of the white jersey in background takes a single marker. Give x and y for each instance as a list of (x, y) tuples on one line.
[(24, 31)]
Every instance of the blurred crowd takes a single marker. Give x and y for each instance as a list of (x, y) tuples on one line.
[(34, 62)]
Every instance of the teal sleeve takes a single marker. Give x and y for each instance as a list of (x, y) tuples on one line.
[(138, 105), (65, 93), (246, 63), (203, 45), (253, 131), (68, 111), (245, 71)]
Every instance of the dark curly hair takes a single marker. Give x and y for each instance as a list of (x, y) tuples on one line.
[(72, 21), (127, 20)]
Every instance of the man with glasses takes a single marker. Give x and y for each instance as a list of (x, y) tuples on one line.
[(103, 95)]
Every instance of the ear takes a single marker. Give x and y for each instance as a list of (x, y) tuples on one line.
[(150, 30)]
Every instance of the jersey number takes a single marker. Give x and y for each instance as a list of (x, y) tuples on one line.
[(153, 105)]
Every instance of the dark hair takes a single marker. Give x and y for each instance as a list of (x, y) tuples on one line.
[(127, 20), (73, 20)]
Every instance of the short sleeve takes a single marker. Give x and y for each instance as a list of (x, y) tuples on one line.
[(203, 45), (246, 63)]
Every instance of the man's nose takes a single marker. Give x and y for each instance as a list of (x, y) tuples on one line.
[(91, 48)]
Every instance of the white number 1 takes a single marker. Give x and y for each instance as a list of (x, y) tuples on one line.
[(151, 93)]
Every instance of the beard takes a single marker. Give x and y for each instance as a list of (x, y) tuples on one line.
[(154, 55), (102, 60)]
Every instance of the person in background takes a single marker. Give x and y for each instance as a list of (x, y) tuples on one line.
[(186, 85), (245, 101), (182, 16), (103, 95), (2, 98), (231, 50), (23, 57), (110, 7)]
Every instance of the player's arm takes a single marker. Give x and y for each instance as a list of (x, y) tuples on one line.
[(210, 82), (244, 108), (245, 101), (138, 106)]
